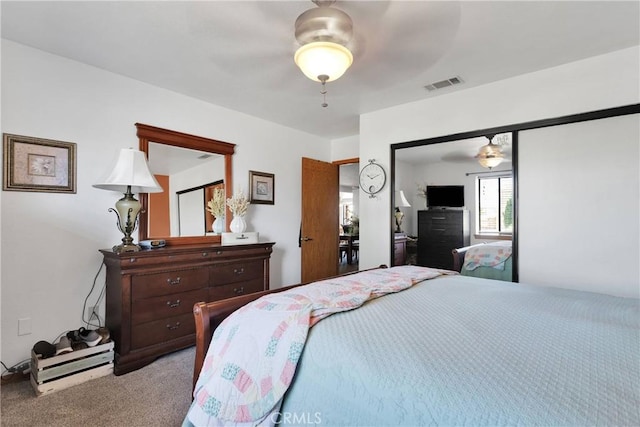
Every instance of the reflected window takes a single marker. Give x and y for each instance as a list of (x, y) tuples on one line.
[(495, 205)]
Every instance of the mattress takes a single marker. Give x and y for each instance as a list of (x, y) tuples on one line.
[(466, 351)]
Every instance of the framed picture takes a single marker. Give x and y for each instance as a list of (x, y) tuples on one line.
[(261, 187), (36, 164)]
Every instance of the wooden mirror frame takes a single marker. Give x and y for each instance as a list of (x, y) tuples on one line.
[(147, 134)]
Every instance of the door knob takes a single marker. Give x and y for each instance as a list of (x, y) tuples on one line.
[(305, 239)]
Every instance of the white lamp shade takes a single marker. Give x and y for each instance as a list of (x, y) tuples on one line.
[(323, 58), (131, 169), (401, 201)]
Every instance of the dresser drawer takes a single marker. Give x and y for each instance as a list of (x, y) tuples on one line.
[(235, 289), (144, 259), (163, 330), (224, 274), (168, 282), (146, 310)]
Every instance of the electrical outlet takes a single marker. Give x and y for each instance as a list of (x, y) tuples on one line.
[(92, 311), (24, 326)]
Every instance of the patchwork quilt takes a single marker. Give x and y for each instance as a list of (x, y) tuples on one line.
[(254, 352)]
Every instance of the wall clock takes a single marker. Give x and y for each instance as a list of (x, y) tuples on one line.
[(372, 178)]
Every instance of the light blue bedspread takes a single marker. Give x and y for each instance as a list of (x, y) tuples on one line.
[(465, 351)]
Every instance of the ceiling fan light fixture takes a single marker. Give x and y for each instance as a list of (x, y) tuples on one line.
[(490, 155), (323, 58)]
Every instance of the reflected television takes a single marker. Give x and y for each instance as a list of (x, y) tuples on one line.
[(445, 196)]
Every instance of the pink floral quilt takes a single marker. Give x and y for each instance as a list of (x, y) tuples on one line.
[(254, 352)]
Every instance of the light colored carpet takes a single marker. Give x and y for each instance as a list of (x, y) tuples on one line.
[(157, 395)]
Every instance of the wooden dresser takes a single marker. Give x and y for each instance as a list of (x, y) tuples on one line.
[(439, 232), (400, 249), (150, 294)]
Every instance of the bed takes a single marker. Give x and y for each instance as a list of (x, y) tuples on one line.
[(486, 260), (458, 350)]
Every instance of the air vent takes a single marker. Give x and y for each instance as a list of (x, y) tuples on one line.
[(443, 83), (204, 156)]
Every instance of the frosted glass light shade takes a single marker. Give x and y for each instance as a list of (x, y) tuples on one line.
[(131, 169), (323, 58), (490, 156)]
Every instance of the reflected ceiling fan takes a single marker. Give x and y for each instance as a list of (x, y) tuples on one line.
[(490, 155)]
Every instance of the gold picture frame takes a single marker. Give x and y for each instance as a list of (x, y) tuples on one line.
[(261, 188), (37, 164)]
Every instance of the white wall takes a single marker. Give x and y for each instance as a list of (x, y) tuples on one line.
[(50, 241), (345, 148), (596, 83)]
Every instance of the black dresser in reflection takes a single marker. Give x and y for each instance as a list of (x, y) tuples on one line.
[(439, 232)]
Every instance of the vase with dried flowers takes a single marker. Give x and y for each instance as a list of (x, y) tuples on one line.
[(238, 205), (216, 207)]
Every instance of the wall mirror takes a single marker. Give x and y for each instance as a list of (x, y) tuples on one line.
[(566, 137), (452, 164), (188, 167)]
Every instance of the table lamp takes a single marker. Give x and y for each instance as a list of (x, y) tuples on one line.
[(401, 203), (129, 175)]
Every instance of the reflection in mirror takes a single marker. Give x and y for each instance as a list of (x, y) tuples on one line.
[(183, 162), (180, 210), (488, 196), (195, 217)]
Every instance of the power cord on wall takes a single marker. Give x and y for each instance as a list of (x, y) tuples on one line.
[(88, 322), (18, 372)]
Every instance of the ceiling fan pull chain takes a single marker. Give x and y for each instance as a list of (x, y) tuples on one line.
[(323, 78)]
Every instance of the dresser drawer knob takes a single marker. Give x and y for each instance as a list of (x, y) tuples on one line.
[(238, 291), (439, 217), (238, 270), (205, 253), (173, 327), (218, 252), (174, 304), (176, 281)]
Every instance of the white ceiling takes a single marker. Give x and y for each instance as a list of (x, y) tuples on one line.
[(239, 54)]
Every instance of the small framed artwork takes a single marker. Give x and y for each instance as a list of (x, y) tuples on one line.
[(261, 187), (36, 164)]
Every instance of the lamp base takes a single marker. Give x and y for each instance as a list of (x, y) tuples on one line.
[(399, 217), (126, 248)]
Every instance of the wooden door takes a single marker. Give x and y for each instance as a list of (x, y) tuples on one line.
[(319, 232)]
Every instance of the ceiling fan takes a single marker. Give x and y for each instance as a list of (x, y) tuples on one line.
[(391, 41)]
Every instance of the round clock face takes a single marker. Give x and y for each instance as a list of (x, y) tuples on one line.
[(372, 178)]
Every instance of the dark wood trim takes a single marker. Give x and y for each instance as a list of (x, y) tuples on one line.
[(515, 272), (146, 134), (346, 161), (184, 140), (536, 124)]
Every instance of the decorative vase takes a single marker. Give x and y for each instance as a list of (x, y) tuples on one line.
[(218, 225), (238, 225)]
